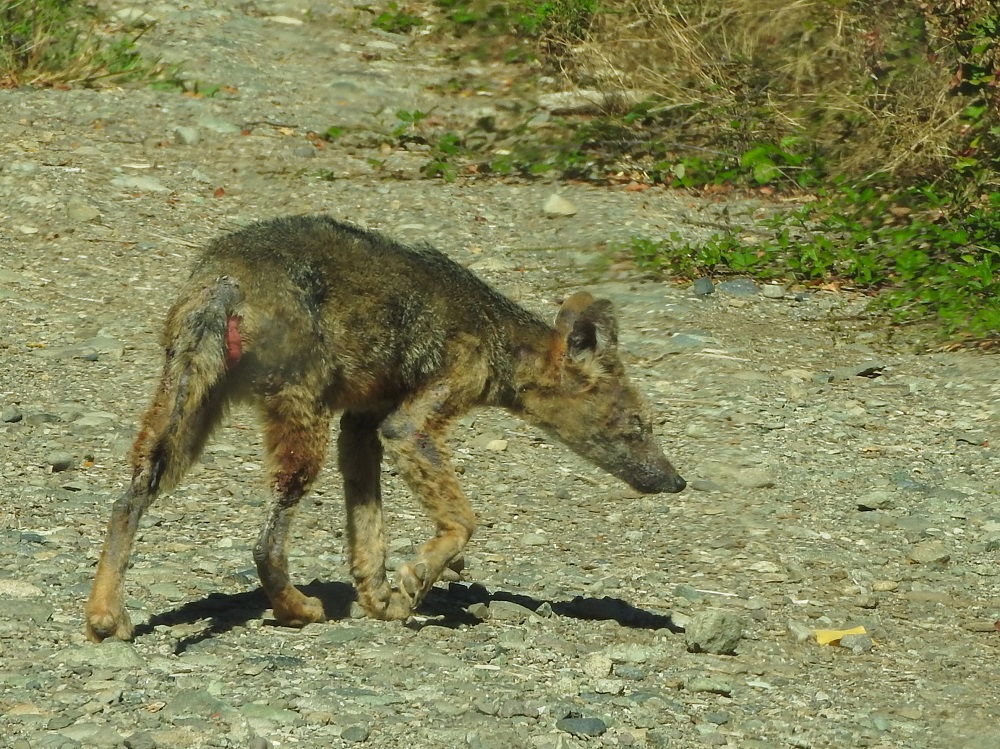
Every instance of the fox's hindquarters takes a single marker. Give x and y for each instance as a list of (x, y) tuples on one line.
[(199, 341)]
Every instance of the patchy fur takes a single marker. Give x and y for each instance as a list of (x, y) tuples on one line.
[(292, 317)]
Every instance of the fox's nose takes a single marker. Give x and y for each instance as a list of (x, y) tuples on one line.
[(656, 484)]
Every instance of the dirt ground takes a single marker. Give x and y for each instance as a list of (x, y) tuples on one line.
[(836, 478)]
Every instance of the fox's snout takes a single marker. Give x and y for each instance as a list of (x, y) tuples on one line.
[(660, 483)]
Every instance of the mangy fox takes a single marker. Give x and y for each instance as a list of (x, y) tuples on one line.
[(307, 317)]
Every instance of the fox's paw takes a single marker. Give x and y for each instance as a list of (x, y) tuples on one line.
[(104, 621), (293, 609), (413, 580)]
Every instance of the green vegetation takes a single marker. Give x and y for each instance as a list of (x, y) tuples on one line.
[(396, 21), (60, 42), (886, 114), (904, 243)]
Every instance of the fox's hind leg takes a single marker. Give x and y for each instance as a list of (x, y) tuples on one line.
[(296, 435), (173, 433)]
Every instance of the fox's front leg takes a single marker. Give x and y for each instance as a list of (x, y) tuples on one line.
[(414, 436), (360, 458)]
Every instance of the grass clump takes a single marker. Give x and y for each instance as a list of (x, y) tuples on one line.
[(930, 256), (62, 43)]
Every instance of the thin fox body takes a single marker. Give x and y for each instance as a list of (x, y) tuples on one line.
[(306, 318)]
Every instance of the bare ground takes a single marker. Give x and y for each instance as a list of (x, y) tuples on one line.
[(819, 500)]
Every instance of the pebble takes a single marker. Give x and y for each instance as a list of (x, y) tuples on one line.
[(717, 632), (710, 684), (356, 733), (857, 643), (597, 665), (772, 291), (218, 125), (59, 460), (139, 184), (877, 500), (136, 18), (870, 368), (140, 740), (110, 654), (739, 287), (582, 726), (556, 205), (509, 611), (187, 136), (11, 414), (703, 286), (81, 211), (928, 552)]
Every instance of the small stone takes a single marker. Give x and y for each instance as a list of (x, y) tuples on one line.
[(142, 740), (59, 460), (582, 726), (23, 167), (218, 125), (717, 632), (928, 552), (740, 287), (111, 654), (187, 136), (356, 733), (703, 286), (857, 643), (556, 205), (688, 592), (755, 478), (609, 686), (708, 684), (497, 445), (509, 611), (534, 539), (597, 665), (799, 632), (479, 610), (877, 500), (11, 414), (583, 101), (135, 18), (139, 184), (869, 369), (772, 291), (719, 718), (78, 210)]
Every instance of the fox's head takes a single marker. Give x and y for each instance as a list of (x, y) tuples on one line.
[(577, 390)]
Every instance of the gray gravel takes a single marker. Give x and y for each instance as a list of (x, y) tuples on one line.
[(825, 492)]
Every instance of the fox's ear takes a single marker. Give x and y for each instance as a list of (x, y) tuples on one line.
[(587, 325)]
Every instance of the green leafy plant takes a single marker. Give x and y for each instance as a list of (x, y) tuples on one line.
[(396, 20), (927, 254)]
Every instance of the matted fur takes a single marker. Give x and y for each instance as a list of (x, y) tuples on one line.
[(306, 317)]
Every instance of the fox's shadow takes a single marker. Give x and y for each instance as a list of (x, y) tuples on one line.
[(448, 607)]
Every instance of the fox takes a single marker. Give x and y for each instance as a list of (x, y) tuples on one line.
[(307, 317)]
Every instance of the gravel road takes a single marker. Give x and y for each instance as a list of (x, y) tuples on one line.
[(837, 478)]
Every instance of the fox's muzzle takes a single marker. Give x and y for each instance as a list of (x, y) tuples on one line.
[(670, 482)]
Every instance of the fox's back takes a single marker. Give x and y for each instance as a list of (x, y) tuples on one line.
[(323, 298)]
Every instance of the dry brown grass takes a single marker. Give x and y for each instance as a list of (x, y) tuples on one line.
[(871, 85)]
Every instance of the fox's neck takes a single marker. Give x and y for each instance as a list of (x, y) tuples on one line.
[(523, 362)]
